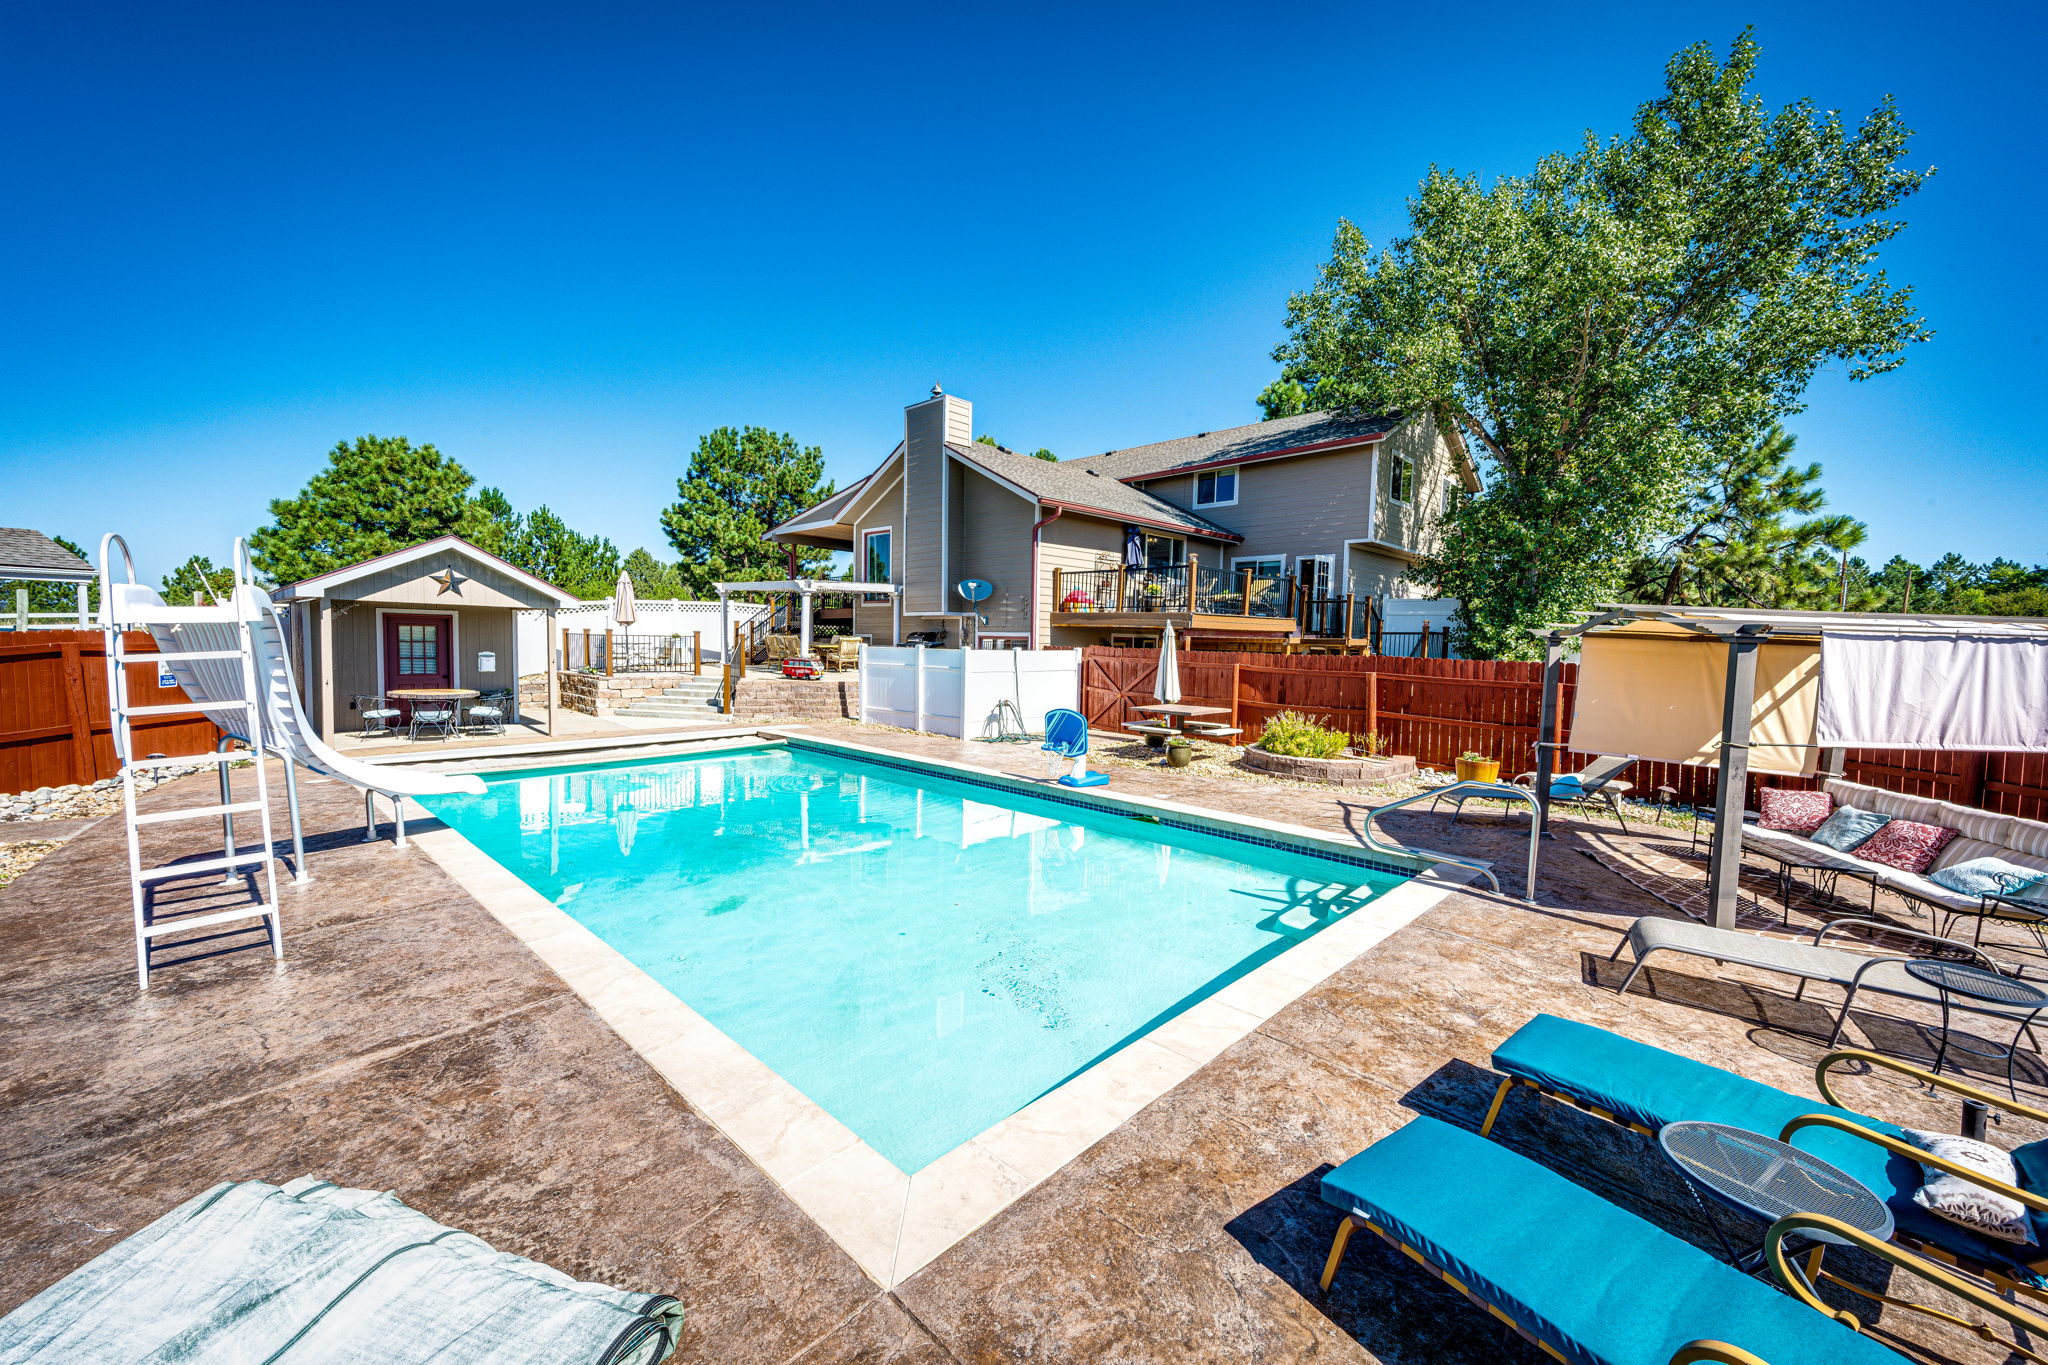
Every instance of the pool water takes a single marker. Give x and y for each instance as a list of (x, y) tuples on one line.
[(920, 956)]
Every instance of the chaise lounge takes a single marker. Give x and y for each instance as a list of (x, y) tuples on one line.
[(1588, 1282), (1644, 1088)]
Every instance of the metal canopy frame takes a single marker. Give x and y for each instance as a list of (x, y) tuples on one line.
[(1743, 631)]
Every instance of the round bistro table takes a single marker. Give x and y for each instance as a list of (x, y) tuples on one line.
[(2016, 999), (1766, 1179)]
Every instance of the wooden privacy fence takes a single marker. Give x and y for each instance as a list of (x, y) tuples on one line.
[(55, 728), (1436, 709)]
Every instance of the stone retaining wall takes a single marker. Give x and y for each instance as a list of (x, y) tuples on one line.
[(1332, 772), (768, 696), (593, 694)]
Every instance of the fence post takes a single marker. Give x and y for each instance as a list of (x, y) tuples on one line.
[(607, 651), (21, 608), (1246, 608), (918, 656), (1422, 650), (1058, 602), (697, 654), (565, 647), (1117, 602), (75, 715), (1372, 702), (1236, 683), (1192, 582)]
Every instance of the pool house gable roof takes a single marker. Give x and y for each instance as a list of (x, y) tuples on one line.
[(31, 555), (524, 589)]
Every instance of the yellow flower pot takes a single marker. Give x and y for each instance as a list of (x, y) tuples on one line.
[(1479, 770)]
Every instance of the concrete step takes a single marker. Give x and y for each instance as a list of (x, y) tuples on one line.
[(709, 689)]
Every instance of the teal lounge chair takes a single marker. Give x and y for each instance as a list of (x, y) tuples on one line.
[(1644, 1087), (1585, 1281)]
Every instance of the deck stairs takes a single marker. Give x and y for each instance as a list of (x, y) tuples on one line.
[(254, 866), (691, 699)]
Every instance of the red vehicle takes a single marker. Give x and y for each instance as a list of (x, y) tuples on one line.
[(802, 668)]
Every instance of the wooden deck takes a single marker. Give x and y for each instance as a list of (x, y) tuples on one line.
[(1203, 621)]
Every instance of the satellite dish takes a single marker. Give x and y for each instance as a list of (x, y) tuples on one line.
[(974, 589)]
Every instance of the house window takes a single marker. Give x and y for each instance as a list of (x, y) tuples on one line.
[(1450, 496), (876, 565), (1401, 473), (1273, 566), (1216, 488), (1164, 552), (1316, 573)]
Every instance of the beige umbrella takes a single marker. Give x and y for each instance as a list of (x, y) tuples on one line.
[(1167, 686), (623, 607)]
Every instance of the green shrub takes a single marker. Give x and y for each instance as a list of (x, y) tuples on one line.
[(1294, 735)]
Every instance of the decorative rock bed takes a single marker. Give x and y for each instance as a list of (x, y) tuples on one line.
[(1332, 772)]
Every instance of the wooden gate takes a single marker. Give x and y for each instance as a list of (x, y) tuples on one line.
[(55, 728)]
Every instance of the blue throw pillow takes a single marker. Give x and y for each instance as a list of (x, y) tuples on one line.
[(1985, 876), (1848, 827)]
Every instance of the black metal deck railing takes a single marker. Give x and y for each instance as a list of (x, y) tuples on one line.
[(1174, 588)]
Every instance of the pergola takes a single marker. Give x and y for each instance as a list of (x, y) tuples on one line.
[(1655, 713), (805, 589), (32, 557)]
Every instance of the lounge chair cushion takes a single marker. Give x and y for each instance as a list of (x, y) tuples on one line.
[(1652, 1087), (1599, 1284)]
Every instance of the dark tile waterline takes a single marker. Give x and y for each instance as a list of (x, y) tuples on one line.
[(408, 1042)]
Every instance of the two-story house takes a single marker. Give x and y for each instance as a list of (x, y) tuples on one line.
[(1289, 530)]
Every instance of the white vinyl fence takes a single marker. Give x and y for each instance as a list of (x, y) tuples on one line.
[(955, 691)]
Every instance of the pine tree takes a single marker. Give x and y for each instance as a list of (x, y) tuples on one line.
[(377, 494), (198, 577), (546, 547), (741, 482), (653, 579)]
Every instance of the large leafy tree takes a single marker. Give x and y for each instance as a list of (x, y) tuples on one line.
[(1597, 329), (377, 494), (198, 579), (1751, 535), (741, 482)]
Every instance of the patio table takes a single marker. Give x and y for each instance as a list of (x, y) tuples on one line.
[(1173, 715), (1766, 1179)]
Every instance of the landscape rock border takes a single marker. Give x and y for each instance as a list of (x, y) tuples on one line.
[(1331, 772)]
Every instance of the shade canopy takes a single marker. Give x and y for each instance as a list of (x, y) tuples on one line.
[(1658, 692), (1918, 691)]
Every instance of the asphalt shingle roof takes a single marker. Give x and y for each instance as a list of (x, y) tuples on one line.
[(25, 552), (1066, 482), (1246, 442)]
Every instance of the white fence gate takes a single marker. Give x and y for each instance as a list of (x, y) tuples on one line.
[(956, 691)]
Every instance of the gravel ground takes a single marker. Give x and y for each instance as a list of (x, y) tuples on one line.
[(16, 859)]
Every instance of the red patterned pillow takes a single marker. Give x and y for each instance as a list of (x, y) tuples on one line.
[(1795, 812), (1905, 845)]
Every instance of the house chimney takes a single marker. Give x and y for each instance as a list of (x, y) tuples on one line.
[(928, 428)]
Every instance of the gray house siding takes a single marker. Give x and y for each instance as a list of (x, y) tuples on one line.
[(1413, 524), (1075, 543), (991, 540), (1305, 505), (877, 509)]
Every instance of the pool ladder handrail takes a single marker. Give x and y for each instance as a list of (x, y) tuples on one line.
[(1501, 791)]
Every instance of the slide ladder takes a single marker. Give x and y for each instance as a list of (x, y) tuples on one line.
[(218, 637)]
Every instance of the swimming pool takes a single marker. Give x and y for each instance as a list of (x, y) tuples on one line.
[(920, 954)]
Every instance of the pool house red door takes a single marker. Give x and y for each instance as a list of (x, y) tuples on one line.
[(419, 651)]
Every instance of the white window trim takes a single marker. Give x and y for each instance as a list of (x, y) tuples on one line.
[(454, 641), (1301, 579), (1239, 561), (862, 562), (1236, 486), (1394, 480)]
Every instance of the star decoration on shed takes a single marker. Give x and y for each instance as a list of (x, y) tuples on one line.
[(447, 579)]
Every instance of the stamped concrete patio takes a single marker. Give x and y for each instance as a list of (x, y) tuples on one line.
[(408, 1042)]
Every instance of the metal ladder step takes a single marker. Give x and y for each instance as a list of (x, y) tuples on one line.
[(141, 765), (179, 656), (202, 921), (217, 864), (177, 708), (158, 817)]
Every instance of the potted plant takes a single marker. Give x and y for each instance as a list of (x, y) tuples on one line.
[(1179, 753), (1477, 767)]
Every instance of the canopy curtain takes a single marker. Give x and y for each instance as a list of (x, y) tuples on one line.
[(1659, 696), (1905, 691)]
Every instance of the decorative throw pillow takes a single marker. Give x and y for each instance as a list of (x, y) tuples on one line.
[(1964, 1202), (1794, 812), (1906, 844), (1848, 827), (1983, 876)]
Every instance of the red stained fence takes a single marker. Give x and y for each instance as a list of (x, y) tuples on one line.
[(1436, 709), (55, 728)]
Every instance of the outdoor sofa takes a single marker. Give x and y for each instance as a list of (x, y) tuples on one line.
[(1584, 1280), (1645, 1088), (1979, 834)]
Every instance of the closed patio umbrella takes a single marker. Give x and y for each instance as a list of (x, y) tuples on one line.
[(1167, 686), (624, 611)]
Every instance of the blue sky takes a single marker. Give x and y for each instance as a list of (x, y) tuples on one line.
[(561, 242)]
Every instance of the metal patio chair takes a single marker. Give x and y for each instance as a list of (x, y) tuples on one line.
[(438, 717), (380, 717), (486, 715)]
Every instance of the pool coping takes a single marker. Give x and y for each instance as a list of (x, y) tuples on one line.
[(892, 1224)]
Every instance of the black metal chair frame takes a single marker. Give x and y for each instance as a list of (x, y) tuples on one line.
[(372, 709)]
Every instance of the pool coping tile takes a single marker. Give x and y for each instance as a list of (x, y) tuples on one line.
[(890, 1223)]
